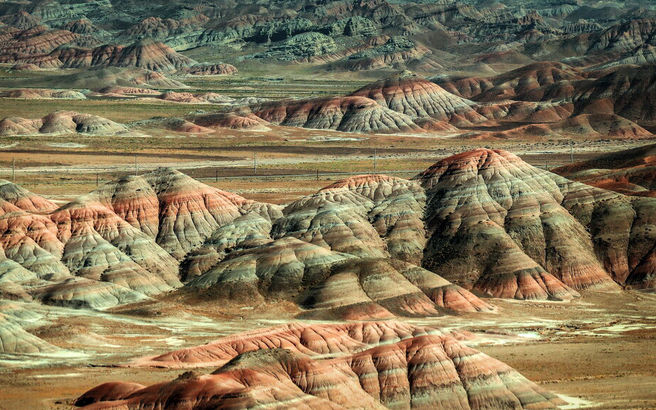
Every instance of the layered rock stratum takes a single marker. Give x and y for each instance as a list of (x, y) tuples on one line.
[(479, 224), (211, 69), (338, 35), (511, 243), (376, 365), (419, 98), (59, 122), (547, 99), (630, 172), (350, 114)]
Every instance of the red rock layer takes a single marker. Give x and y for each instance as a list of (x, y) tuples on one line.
[(35, 41), (312, 340), (23, 199), (100, 245), (177, 211)]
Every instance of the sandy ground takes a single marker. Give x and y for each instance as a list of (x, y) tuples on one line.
[(597, 351)]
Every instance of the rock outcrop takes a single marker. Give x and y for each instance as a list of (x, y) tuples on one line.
[(533, 82), (330, 284), (580, 126), (189, 98), (176, 210), (21, 20), (237, 120), (81, 26), (149, 55), (626, 91), (64, 49), (15, 340)]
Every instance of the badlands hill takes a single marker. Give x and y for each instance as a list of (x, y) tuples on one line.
[(341, 35), (417, 97), (533, 82), (103, 77), (538, 100), (42, 94), (547, 100), (279, 366), (630, 172), (628, 91), (350, 114), (148, 55), (481, 223), (60, 122), (554, 99)]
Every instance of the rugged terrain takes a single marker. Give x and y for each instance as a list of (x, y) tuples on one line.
[(369, 246), (335, 204), (336, 35)]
